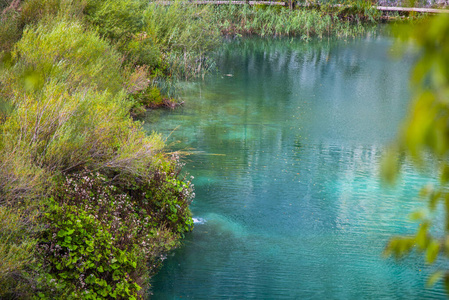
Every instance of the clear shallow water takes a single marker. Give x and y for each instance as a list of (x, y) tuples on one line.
[(285, 147)]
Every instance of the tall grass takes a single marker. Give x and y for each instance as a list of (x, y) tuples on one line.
[(66, 89), (186, 34), (278, 21)]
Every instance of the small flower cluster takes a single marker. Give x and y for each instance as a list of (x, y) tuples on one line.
[(101, 228)]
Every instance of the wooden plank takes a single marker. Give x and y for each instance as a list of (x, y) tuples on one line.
[(416, 9)]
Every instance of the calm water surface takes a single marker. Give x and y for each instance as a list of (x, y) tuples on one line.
[(285, 146)]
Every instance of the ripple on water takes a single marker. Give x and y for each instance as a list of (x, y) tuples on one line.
[(286, 162)]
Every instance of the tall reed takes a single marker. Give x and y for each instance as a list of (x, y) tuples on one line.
[(278, 21), (185, 33)]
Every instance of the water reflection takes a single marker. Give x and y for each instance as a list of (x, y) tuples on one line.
[(286, 158)]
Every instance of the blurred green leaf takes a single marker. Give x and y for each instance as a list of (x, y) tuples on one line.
[(418, 215), (432, 251), (421, 236), (436, 276), (389, 166)]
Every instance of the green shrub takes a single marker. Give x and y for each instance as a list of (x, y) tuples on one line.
[(158, 36), (81, 260), (17, 252), (154, 96), (116, 19), (69, 115), (10, 31), (76, 114), (142, 50), (62, 49), (105, 238), (123, 23), (33, 11), (150, 97), (185, 34), (21, 181), (182, 27), (355, 11)]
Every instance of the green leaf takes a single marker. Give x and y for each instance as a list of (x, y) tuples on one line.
[(138, 287), (436, 276), (444, 178), (113, 295), (421, 237), (103, 292), (417, 215), (433, 199), (90, 279), (432, 251), (117, 275)]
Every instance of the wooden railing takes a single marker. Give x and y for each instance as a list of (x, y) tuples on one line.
[(416, 9)]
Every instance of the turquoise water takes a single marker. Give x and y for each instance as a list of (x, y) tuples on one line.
[(284, 146)]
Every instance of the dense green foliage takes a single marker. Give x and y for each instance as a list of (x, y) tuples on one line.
[(89, 203), (185, 34), (104, 239), (425, 139)]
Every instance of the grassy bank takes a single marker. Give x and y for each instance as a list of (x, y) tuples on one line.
[(90, 203)]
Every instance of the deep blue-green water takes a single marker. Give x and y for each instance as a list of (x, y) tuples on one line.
[(284, 145)]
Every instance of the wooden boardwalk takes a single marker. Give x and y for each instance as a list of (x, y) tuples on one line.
[(220, 2), (415, 9), (289, 3)]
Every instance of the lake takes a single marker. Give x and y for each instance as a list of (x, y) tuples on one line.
[(285, 144)]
